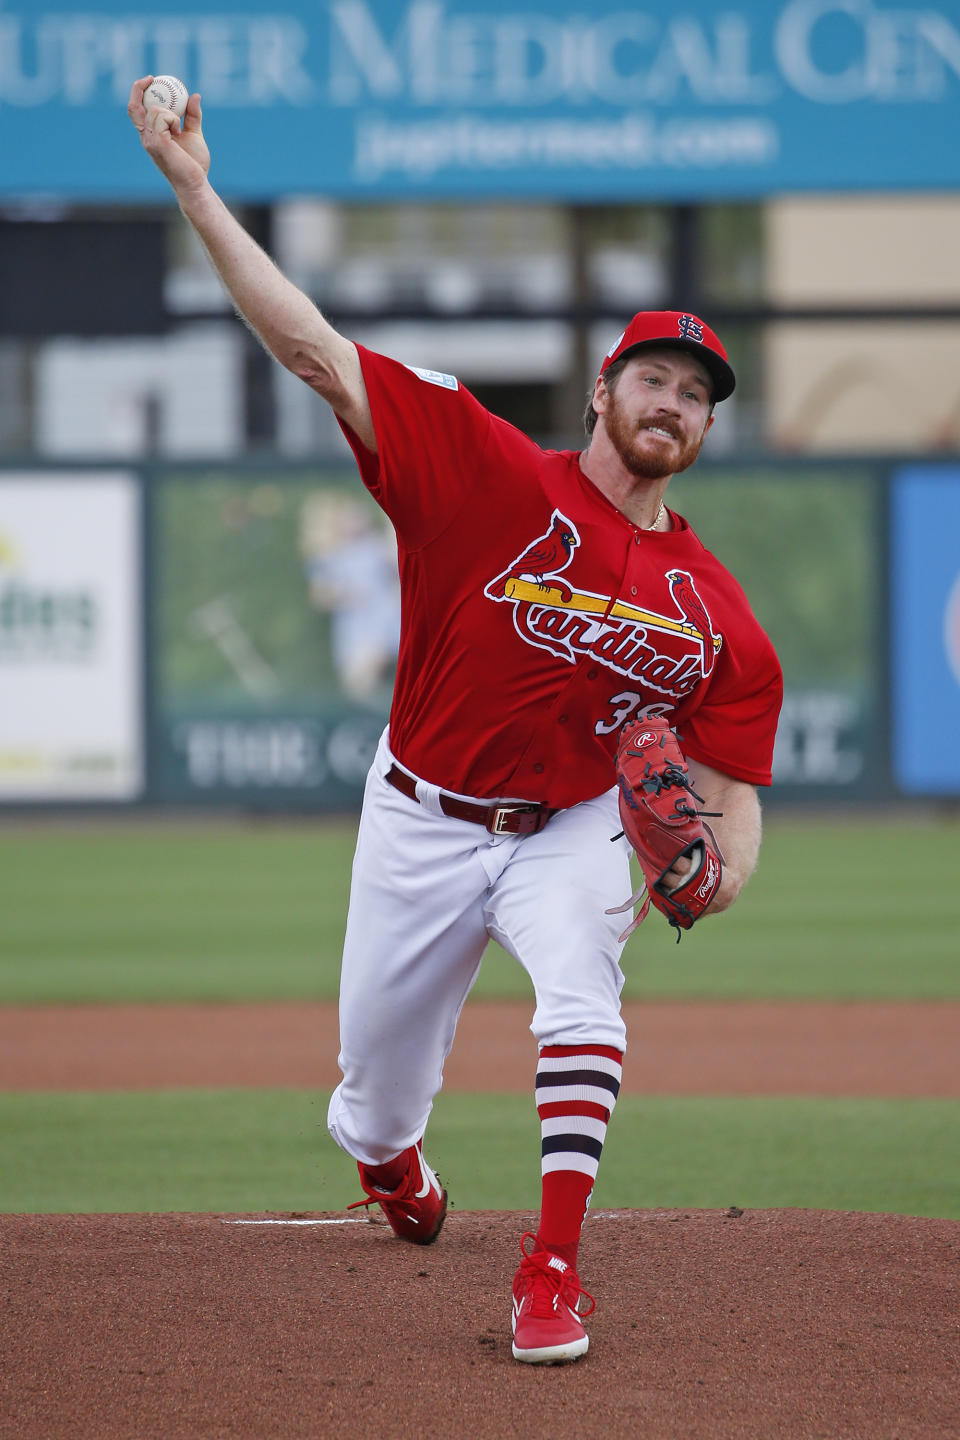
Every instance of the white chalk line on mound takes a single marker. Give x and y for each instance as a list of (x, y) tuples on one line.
[(595, 1215), (294, 1222)]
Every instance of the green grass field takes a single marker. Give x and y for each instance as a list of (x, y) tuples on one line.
[(248, 1151), (840, 910), (185, 913), (866, 908)]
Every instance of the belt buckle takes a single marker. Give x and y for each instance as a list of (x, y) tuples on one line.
[(497, 823)]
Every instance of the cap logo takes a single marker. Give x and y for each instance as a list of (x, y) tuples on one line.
[(690, 328)]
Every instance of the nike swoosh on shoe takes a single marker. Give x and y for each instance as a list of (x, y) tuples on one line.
[(428, 1178)]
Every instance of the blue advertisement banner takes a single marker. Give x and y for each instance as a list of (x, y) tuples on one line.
[(468, 99), (926, 629)]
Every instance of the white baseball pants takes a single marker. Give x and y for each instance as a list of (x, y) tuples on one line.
[(427, 893)]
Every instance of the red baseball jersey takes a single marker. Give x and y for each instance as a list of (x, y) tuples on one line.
[(536, 618)]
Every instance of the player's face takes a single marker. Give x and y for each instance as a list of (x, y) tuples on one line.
[(658, 413)]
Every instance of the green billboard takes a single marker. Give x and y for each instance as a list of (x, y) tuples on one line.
[(275, 625)]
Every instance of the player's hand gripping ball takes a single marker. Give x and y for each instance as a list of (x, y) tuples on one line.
[(664, 826), (166, 92)]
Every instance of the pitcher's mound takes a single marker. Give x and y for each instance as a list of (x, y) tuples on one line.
[(710, 1325)]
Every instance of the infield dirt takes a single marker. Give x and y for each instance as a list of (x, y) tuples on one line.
[(784, 1325), (691, 1048)]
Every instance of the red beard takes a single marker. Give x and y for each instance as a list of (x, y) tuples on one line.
[(646, 465)]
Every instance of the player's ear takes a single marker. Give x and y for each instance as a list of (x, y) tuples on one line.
[(600, 395)]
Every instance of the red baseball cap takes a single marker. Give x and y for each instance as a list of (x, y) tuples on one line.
[(676, 329)]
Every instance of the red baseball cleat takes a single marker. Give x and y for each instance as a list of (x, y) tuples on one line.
[(417, 1208), (546, 1302)]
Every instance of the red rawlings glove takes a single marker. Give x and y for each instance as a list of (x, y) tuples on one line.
[(662, 824)]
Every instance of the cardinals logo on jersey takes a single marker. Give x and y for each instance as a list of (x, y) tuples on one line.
[(545, 557), (549, 613), (692, 608)]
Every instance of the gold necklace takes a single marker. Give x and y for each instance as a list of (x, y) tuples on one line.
[(661, 521)]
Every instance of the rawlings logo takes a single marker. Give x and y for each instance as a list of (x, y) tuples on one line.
[(690, 328), (709, 880), (550, 614)]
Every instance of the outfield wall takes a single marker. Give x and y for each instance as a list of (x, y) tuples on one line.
[(225, 635)]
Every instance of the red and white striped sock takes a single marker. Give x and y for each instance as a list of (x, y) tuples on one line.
[(577, 1088)]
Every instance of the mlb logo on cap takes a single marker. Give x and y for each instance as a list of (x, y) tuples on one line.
[(676, 329)]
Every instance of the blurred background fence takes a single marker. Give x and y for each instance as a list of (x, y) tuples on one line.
[(198, 602), (227, 633)]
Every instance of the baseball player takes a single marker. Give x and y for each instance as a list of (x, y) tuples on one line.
[(551, 601)]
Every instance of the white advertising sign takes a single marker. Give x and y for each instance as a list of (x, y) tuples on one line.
[(71, 712)]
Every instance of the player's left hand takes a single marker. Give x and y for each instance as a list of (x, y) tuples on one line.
[(178, 150), (679, 871)]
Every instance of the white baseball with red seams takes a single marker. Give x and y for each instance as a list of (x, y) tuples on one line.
[(166, 92)]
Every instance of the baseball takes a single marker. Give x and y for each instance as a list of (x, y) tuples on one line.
[(166, 92)]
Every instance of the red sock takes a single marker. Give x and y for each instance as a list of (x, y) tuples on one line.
[(390, 1174), (577, 1088), (563, 1207)]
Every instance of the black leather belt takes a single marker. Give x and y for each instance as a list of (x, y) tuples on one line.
[(511, 817)]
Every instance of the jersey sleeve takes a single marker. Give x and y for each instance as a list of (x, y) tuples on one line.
[(431, 438), (734, 728)]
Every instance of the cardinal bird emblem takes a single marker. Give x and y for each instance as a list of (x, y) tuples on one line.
[(543, 560), (692, 609), (669, 654)]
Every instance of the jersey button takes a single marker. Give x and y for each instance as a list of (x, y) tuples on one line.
[(633, 589), (561, 719), (592, 674), (538, 768)]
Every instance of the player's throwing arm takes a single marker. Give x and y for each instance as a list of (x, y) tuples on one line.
[(286, 321)]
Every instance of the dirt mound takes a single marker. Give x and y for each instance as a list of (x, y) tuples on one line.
[(713, 1325)]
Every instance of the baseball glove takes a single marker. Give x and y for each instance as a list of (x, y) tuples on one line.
[(663, 825)]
